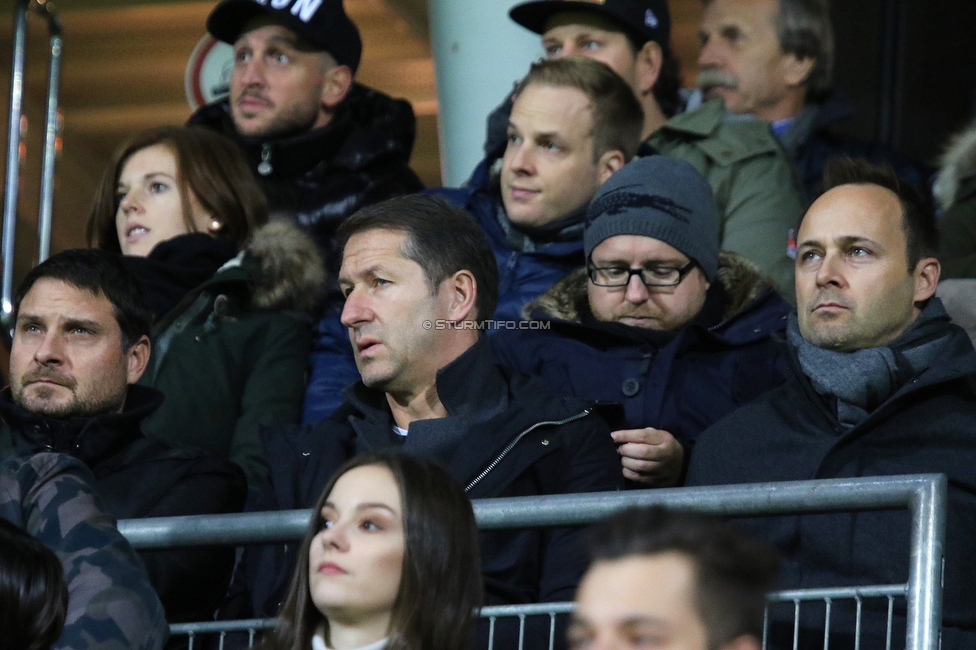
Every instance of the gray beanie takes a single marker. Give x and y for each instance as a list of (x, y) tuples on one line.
[(659, 197)]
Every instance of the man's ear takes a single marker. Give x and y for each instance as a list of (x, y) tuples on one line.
[(796, 70), (609, 162), (926, 274), (338, 81), (647, 67), (137, 358), (464, 293)]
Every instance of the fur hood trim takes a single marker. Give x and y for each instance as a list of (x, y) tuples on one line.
[(567, 300), (957, 164), (291, 274)]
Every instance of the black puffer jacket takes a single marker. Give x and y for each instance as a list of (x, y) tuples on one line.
[(321, 177)]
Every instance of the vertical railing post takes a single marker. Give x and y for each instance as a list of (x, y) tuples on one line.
[(13, 165), (46, 212), (928, 509)]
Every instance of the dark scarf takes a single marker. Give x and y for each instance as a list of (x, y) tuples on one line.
[(528, 240), (177, 266), (862, 380)]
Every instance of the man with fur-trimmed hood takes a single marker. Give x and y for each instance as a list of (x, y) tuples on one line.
[(665, 332)]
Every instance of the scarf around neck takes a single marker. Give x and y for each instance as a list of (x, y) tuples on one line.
[(863, 380), (527, 240)]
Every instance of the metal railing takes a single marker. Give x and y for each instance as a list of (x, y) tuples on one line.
[(11, 184), (923, 495)]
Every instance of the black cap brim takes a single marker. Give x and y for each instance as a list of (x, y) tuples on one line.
[(533, 15), (227, 20)]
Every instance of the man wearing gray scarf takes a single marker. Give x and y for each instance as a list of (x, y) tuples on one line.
[(882, 383)]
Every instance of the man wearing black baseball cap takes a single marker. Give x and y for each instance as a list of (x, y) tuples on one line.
[(320, 145), (750, 176)]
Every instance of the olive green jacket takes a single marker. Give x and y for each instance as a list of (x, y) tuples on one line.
[(232, 356), (757, 194)]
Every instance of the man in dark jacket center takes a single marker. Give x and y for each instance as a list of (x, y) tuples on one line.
[(81, 341), (881, 383), (668, 333), (418, 276)]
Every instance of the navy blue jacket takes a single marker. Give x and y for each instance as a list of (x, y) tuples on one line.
[(812, 141), (522, 276), (681, 382), (543, 443), (792, 433)]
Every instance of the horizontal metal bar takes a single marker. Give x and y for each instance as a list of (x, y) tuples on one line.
[(533, 609), (560, 510), (838, 593), (215, 627), (197, 530)]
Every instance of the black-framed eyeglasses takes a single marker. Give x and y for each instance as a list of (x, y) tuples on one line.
[(651, 276)]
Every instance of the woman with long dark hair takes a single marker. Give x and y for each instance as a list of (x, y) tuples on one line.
[(390, 562), (234, 305)]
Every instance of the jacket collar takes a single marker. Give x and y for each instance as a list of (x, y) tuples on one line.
[(462, 398), (90, 439), (367, 126)]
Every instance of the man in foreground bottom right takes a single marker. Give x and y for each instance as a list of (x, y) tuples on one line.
[(882, 383), (680, 581)]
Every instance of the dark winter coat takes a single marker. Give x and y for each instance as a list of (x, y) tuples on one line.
[(506, 435), (812, 141), (522, 275), (955, 189), (791, 433), (139, 477), (682, 382), (321, 177), (232, 356), (110, 602)]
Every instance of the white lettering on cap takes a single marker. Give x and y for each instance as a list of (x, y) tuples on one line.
[(650, 19), (279, 4), (261, 2), (305, 9)]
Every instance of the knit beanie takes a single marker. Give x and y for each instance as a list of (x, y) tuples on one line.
[(659, 197)]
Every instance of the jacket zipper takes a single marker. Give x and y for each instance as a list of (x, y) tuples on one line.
[(511, 445)]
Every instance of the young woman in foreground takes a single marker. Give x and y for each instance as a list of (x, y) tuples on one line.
[(390, 562)]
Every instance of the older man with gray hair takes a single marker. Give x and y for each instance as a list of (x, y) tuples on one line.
[(775, 59)]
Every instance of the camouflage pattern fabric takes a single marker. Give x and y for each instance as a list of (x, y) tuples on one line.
[(111, 605)]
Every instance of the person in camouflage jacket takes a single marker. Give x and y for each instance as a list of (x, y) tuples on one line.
[(110, 602)]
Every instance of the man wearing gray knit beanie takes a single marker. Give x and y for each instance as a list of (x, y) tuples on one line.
[(663, 331)]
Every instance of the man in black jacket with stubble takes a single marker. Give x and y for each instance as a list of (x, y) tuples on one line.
[(81, 341), (417, 276), (882, 383), (320, 145)]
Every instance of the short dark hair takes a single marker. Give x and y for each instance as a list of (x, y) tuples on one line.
[(918, 213), (209, 165), (618, 119), (441, 238), (733, 571), (440, 584), (33, 594), (101, 273)]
